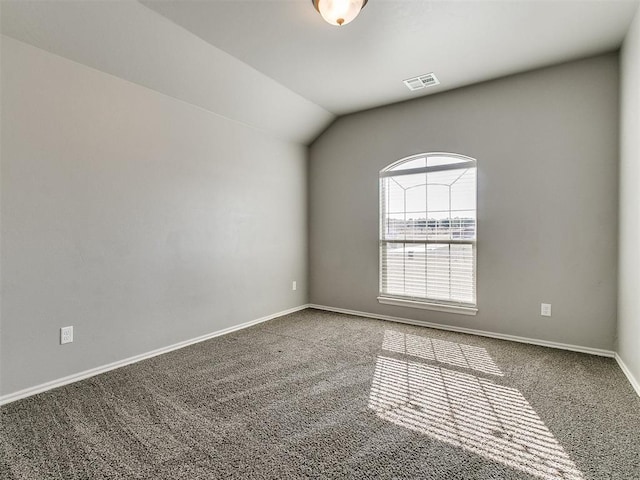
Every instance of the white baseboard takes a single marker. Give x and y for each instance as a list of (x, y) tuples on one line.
[(27, 392), (634, 382), (482, 333)]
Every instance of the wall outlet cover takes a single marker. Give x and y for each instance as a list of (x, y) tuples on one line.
[(66, 335), (545, 309)]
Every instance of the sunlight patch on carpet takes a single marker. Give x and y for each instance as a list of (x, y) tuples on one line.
[(469, 412), (451, 353)]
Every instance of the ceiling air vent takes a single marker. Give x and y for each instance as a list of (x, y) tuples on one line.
[(423, 81)]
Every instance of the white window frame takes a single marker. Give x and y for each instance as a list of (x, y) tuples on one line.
[(426, 302)]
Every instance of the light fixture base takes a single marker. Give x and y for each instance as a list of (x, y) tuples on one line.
[(338, 12)]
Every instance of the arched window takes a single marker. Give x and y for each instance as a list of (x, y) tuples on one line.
[(428, 232)]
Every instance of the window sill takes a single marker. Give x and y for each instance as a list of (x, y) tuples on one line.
[(438, 307)]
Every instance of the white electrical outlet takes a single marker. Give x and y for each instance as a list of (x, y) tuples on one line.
[(66, 335), (545, 309), (294, 285)]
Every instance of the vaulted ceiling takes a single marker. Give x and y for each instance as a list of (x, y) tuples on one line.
[(277, 66), (362, 65)]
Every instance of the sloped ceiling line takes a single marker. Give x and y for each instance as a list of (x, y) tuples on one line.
[(130, 41)]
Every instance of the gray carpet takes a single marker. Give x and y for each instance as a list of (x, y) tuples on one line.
[(322, 395)]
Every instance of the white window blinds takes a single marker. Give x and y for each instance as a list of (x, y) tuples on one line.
[(428, 229)]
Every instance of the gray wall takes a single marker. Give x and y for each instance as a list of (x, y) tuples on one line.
[(139, 219), (629, 280), (547, 149)]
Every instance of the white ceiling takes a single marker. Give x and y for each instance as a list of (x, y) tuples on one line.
[(362, 65)]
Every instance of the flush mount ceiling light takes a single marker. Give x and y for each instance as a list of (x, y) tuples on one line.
[(339, 12)]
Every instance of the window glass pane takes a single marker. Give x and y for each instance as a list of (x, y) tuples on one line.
[(437, 198), (463, 191), (416, 198), (412, 180), (394, 226), (462, 225), (438, 226), (445, 177), (394, 196), (416, 226)]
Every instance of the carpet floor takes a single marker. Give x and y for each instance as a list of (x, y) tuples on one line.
[(322, 395)]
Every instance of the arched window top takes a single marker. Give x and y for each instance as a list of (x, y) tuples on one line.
[(425, 162)]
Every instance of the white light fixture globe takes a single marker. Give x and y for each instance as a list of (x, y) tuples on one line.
[(339, 12)]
